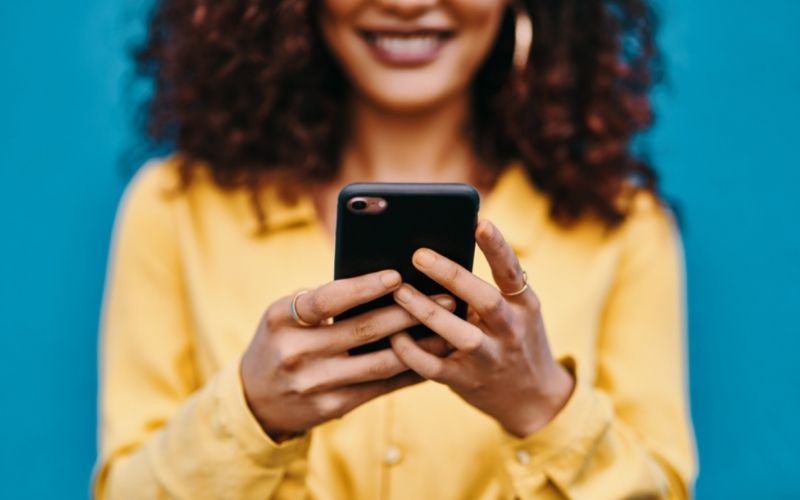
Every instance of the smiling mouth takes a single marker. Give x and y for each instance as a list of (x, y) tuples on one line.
[(406, 48)]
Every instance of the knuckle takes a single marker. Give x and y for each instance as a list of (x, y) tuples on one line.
[(436, 372), (304, 386), (328, 405), (517, 340), (321, 305), (291, 358), (381, 368), (472, 344), (428, 313), (365, 329), (432, 344), (453, 272), (495, 305), (401, 349), (273, 317), (474, 384)]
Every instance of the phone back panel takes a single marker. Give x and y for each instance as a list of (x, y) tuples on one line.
[(437, 216)]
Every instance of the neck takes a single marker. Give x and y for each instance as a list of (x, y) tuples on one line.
[(426, 146)]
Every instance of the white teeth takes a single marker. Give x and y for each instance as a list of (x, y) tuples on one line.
[(406, 46)]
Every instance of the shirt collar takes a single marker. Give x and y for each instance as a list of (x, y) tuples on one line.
[(280, 213)]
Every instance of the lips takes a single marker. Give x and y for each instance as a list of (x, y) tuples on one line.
[(406, 47)]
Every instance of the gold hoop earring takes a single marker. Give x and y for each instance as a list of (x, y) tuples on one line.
[(523, 35)]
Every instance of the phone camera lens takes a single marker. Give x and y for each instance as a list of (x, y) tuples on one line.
[(359, 205)]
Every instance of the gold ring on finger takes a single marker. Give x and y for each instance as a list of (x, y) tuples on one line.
[(521, 290)]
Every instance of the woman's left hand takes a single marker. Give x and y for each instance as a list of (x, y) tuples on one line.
[(502, 363)]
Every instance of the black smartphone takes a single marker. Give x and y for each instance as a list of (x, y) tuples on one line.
[(380, 225)]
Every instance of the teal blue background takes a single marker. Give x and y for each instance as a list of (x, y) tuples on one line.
[(726, 143)]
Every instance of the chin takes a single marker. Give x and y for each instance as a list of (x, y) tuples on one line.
[(405, 104), (407, 95)]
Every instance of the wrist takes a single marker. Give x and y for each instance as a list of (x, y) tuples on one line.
[(543, 406), (275, 431)]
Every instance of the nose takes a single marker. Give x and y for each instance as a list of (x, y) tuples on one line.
[(407, 8)]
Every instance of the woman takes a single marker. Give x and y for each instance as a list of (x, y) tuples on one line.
[(222, 377)]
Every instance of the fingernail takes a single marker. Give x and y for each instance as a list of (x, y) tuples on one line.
[(424, 257), (403, 294), (446, 301), (390, 279)]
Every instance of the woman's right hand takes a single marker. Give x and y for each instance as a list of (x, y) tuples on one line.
[(297, 377)]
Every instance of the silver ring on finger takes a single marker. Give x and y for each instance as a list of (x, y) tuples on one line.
[(293, 310)]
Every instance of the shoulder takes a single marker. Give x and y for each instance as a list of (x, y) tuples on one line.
[(649, 237), (648, 216), (146, 204), (167, 193), (159, 184), (649, 227), (152, 182)]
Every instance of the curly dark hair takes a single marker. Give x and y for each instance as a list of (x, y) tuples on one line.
[(249, 88)]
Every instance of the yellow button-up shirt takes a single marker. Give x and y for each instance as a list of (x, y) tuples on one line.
[(189, 279)]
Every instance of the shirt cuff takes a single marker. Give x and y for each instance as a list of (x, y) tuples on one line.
[(564, 443), (236, 420)]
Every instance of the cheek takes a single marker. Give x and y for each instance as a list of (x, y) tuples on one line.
[(340, 9), (480, 22), (335, 19), (477, 9)]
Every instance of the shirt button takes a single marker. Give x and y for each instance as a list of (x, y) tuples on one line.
[(523, 457), (392, 455)]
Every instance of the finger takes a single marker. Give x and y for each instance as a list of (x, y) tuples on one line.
[(379, 365), (462, 335), (337, 372), (504, 263), (371, 326), (482, 296), (350, 397), (424, 363), (435, 345), (473, 316), (338, 296)]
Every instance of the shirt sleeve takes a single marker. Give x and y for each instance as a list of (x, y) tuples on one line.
[(627, 435), (162, 434)]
